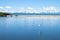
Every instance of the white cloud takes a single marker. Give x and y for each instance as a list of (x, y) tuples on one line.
[(43, 9), (9, 7), (49, 9), (30, 9), (5, 9), (1, 11), (27, 10), (1, 7), (21, 10)]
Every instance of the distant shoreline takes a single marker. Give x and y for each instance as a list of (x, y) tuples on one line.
[(2, 14)]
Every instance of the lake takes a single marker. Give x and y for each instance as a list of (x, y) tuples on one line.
[(30, 27)]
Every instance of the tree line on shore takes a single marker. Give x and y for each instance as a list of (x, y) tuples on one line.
[(4, 14)]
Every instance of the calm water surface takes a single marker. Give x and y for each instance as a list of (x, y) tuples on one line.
[(25, 27)]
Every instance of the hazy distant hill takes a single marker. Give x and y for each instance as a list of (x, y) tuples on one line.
[(36, 13)]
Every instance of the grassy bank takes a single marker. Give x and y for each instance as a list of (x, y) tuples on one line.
[(4, 14)]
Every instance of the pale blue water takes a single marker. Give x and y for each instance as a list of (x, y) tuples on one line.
[(30, 28)]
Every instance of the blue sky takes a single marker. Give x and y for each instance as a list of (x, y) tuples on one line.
[(36, 4)]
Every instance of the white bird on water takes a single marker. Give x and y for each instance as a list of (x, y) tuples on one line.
[(39, 25)]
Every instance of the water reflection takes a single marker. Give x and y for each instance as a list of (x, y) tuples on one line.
[(30, 28)]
